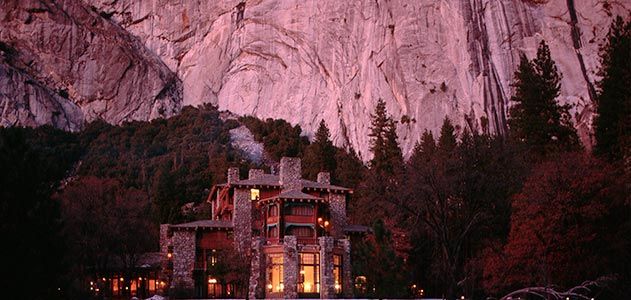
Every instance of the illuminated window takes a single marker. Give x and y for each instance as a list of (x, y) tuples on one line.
[(254, 194), (337, 273), (309, 279), (152, 285), (275, 273)]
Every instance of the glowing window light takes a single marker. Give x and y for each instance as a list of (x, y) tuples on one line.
[(212, 280)]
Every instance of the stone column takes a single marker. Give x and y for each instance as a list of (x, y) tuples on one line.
[(233, 175), (327, 282), (242, 220), (337, 206), (257, 270), (347, 269), (290, 173), (290, 267), (324, 177), (165, 242), (255, 173), (183, 259)]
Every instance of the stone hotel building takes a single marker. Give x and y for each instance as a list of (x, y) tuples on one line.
[(293, 232)]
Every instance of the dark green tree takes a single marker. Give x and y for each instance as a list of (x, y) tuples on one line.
[(447, 140), (613, 104), (536, 118), (320, 155), (387, 156)]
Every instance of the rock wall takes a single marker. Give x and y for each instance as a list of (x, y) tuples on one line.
[(64, 63), (242, 220), (327, 282), (183, 259), (303, 61), (258, 269), (347, 268), (337, 206), (290, 267), (309, 60)]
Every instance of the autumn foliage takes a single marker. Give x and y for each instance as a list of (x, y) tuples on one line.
[(566, 226)]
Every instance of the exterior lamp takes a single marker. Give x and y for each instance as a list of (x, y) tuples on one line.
[(169, 255), (122, 279), (212, 280), (269, 286), (462, 297)]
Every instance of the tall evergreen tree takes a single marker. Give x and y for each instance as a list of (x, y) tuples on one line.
[(536, 118), (447, 140), (387, 156), (320, 155), (613, 120)]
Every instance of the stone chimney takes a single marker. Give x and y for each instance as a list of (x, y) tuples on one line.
[(290, 173), (233, 175), (255, 173), (324, 177)]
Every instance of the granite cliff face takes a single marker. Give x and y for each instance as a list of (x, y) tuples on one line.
[(309, 60), (63, 63)]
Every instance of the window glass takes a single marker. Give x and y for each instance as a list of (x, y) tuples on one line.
[(275, 273), (337, 273), (309, 279), (254, 194)]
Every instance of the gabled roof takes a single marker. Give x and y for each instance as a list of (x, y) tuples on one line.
[(204, 224)]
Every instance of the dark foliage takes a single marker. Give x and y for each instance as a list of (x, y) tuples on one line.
[(536, 119), (613, 121), (320, 155), (278, 136), (30, 228)]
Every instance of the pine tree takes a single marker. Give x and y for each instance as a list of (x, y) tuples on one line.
[(613, 120), (320, 155), (387, 156), (447, 141), (423, 149), (536, 118)]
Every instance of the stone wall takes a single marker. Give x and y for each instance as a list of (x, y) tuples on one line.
[(338, 214), (183, 259), (233, 175), (165, 242), (255, 173), (256, 289), (327, 282), (242, 220), (290, 267), (347, 271), (324, 177), (290, 173)]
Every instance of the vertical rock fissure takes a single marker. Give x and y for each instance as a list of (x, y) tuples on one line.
[(482, 64), (576, 39)]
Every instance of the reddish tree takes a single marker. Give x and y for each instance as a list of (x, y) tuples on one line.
[(105, 222), (566, 226)]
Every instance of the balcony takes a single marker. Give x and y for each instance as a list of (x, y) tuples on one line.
[(299, 219)]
